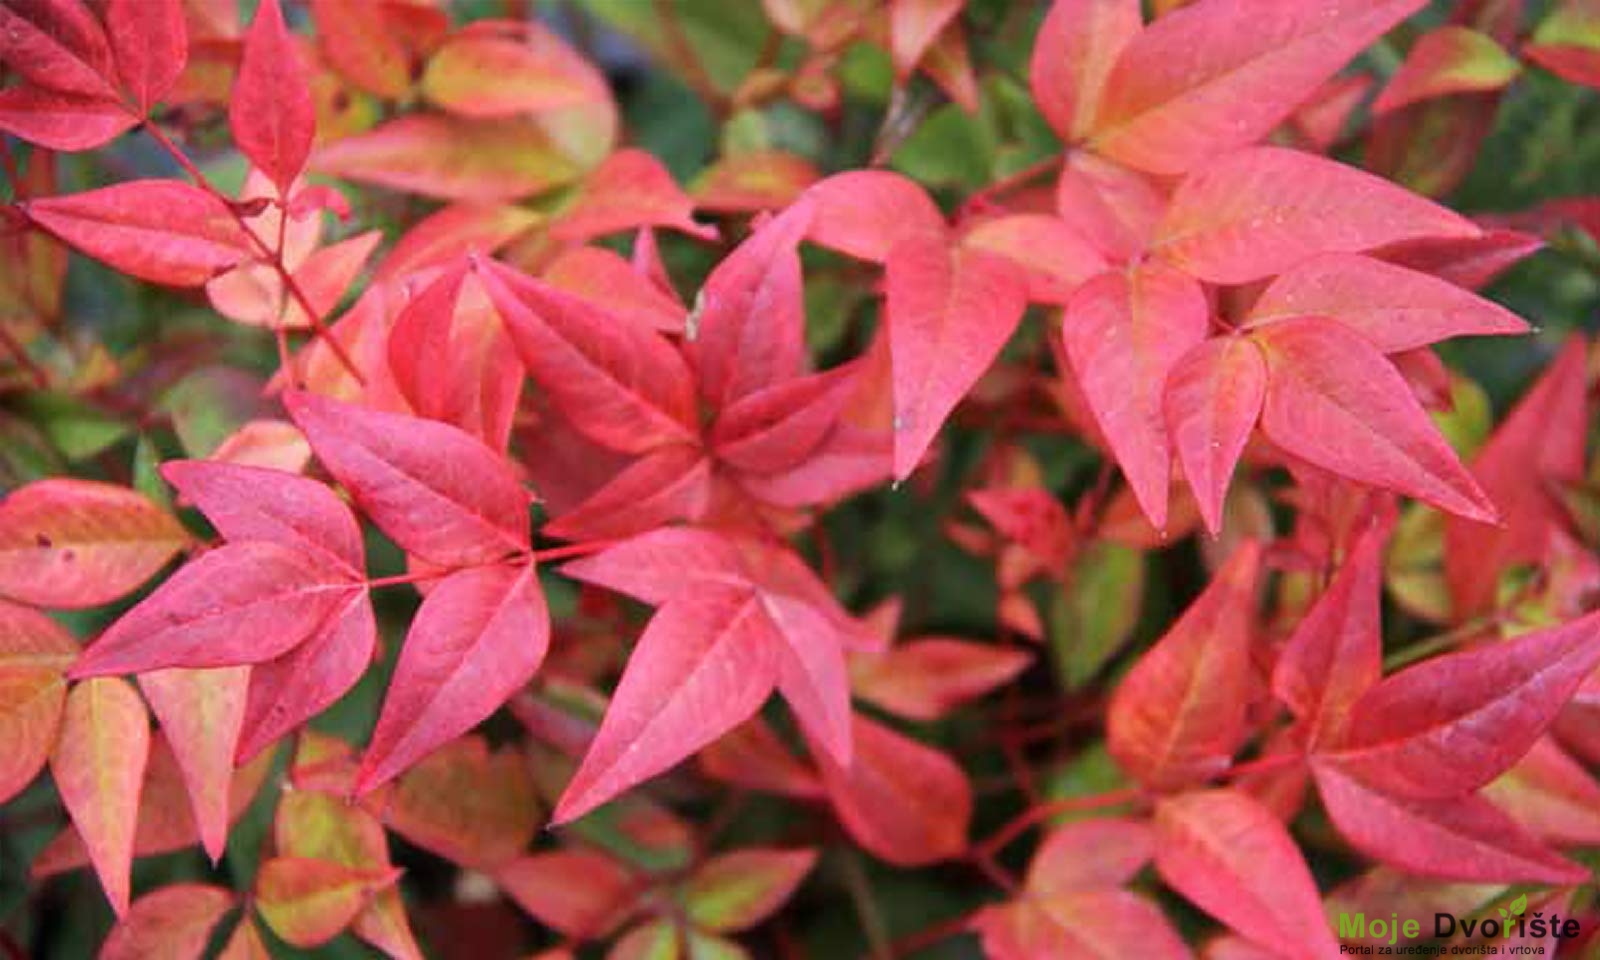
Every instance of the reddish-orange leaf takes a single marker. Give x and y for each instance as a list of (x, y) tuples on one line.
[(1540, 444), (1084, 923), (630, 189), (359, 42), (1334, 401), (949, 313), (80, 543), (174, 923), (201, 712), (162, 231), (441, 236), (491, 73), (1233, 858), (480, 635), (34, 654), (1055, 257), (753, 181), (1178, 716), (776, 428), (1458, 838), (1078, 43), (1254, 213), (1124, 332), (151, 44), (1395, 308), (913, 26), (270, 112), (738, 890), (438, 491), (667, 484), (1103, 853), (1336, 653), (1213, 399), (927, 678), (752, 756), (902, 801), (597, 274), (1450, 59), (1114, 208), (1221, 74), (582, 894), (98, 766), (473, 807), (1551, 795), (308, 902), (1449, 725)]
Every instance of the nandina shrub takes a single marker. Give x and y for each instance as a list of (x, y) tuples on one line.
[(432, 434)]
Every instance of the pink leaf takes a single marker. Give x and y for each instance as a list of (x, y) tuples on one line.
[(480, 635), (1050, 251), (201, 712), (1213, 398), (1091, 854), (705, 664), (251, 503), (287, 691), (598, 274), (867, 213), (151, 44), (62, 121), (1232, 858), (1124, 332), (271, 112), (631, 188), (1449, 725), (57, 45), (162, 231), (949, 315), (926, 679), (1394, 308), (1254, 213), (1213, 76), (1334, 401), (666, 484), (438, 491), (776, 428), (174, 922)]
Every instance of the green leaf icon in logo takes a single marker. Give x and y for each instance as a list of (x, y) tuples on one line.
[(1517, 907)]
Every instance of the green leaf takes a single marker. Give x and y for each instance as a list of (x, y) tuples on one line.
[(1094, 612)]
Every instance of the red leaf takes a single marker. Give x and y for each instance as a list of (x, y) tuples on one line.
[(62, 121), (1178, 716), (663, 564), (162, 231), (270, 112), (1257, 212), (1394, 308), (81, 543), (34, 654), (582, 894), (1114, 208), (201, 712), (1334, 401), (775, 428), (1448, 60), (1231, 857), (738, 890), (631, 188), (811, 671), (1461, 838), (666, 484), (1213, 76), (438, 491), (57, 45), (747, 330), (287, 691), (151, 44), (752, 756), (1540, 444), (949, 315), (480, 635), (926, 679), (913, 26), (902, 801), (1056, 259), (1124, 333), (98, 766), (1213, 398), (1077, 46), (1336, 653), (469, 806), (599, 275), (1449, 725), (867, 213), (705, 664), (241, 603), (621, 384), (250, 503), (1471, 262), (174, 922), (442, 235), (360, 42)]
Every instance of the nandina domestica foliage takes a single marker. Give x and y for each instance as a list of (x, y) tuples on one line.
[(474, 486)]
